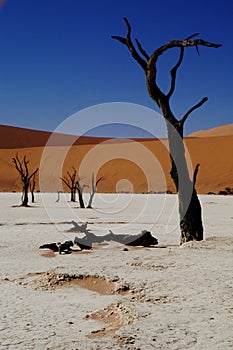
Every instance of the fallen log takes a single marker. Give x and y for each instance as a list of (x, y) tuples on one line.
[(59, 247)]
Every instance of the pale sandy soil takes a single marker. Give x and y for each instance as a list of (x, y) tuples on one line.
[(168, 297)]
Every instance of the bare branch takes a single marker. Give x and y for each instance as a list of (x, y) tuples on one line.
[(178, 43), (192, 36), (78, 185), (33, 174), (195, 174), (152, 72), (26, 166), (197, 49), (69, 174), (100, 179), (140, 48), (66, 182), (32, 183), (199, 104), (120, 38), (174, 71), (74, 171), (128, 42), (18, 165)]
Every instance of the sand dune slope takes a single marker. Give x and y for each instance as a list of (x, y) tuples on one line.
[(139, 165), (225, 130)]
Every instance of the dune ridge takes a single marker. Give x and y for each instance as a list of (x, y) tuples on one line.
[(137, 165), (224, 130)]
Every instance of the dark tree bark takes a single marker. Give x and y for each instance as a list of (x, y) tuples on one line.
[(32, 187), (189, 205), (70, 181), (80, 188), (94, 189), (22, 168)]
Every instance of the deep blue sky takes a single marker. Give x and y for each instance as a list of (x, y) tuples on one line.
[(57, 57)]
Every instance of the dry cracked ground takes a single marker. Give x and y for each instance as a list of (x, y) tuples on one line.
[(168, 297)]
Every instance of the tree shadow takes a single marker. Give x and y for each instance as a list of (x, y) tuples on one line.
[(144, 239)]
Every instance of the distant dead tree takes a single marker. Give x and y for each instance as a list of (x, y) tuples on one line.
[(94, 185), (70, 181), (58, 196), (73, 182), (22, 167), (189, 205)]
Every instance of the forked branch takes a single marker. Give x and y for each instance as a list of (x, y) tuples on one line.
[(199, 104), (128, 42), (22, 168), (182, 44), (148, 63), (178, 43)]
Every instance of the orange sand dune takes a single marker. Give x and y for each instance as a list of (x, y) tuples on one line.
[(126, 165), (225, 130), (14, 137)]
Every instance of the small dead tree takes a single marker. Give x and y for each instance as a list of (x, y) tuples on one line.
[(58, 196), (32, 187), (22, 167), (70, 181), (189, 205), (94, 185)]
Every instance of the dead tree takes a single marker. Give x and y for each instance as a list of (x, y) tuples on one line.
[(32, 187), (94, 189), (58, 196), (189, 205), (70, 181), (22, 168)]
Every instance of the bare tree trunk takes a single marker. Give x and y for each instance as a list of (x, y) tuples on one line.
[(190, 212), (58, 196), (25, 195), (89, 206), (80, 188), (80, 197), (189, 206), (191, 227), (32, 187), (33, 197), (73, 195)]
